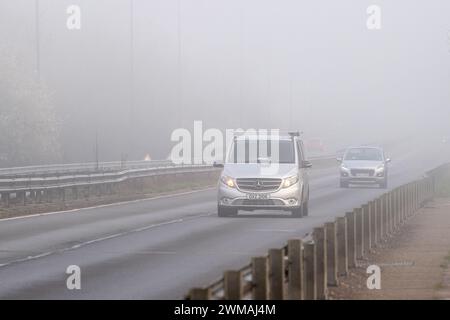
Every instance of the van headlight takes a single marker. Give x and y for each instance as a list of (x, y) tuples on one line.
[(380, 168), (287, 182), (228, 181)]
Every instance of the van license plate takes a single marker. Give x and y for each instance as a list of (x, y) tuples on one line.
[(258, 196)]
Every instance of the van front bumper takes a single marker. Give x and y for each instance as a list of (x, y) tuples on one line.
[(281, 199)]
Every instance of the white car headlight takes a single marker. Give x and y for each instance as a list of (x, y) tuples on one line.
[(380, 167), (287, 182), (228, 181)]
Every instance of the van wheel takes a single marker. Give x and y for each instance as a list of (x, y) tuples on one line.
[(297, 212), (226, 212)]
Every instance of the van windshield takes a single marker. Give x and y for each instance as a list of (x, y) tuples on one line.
[(262, 150)]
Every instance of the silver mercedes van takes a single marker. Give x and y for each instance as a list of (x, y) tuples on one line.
[(264, 173)]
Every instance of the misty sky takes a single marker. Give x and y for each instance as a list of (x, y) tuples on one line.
[(311, 65)]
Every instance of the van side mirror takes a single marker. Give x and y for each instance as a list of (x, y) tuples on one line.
[(339, 159), (217, 164), (306, 164), (388, 160)]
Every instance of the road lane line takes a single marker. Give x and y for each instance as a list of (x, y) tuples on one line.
[(112, 236), (274, 230)]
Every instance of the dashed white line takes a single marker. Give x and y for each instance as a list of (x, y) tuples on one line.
[(112, 236)]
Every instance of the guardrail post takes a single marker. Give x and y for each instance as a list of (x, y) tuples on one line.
[(342, 247), (295, 269), (277, 274), (379, 218), (109, 188), (232, 282), (373, 223), (32, 196), (38, 194), (47, 195), (98, 189), (395, 209), (351, 239), (359, 218), (62, 194), (310, 271), (385, 214), (417, 196), (199, 294), (401, 205), (260, 278), (392, 212), (430, 193), (407, 203), (21, 197), (404, 204), (399, 208), (367, 228), (320, 240), (74, 193), (411, 199), (5, 199), (331, 253)]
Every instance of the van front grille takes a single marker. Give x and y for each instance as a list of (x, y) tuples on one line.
[(258, 184)]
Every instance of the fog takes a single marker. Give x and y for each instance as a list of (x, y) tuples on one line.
[(137, 70)]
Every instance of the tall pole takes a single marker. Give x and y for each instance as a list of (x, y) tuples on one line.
[(290, 104), (96, 149), (37, 36), (180, 69), (241, 63), (131, 132)]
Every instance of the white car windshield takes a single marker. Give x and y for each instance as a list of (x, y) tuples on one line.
[(368, 154)]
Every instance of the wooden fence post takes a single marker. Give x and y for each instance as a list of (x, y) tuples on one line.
[(331, 253), (260, 278), (232, 281), (277, 274), (295, 269), (367, 229), (310, 271), (373, 223), (359, 217), (199, 294), (342, 247), (320, 240), (351, 238)]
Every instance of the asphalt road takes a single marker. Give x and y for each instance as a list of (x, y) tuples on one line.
[(159, 248)]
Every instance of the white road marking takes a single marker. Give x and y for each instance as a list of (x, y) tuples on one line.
[(107, 205), (274, 230), (112, 236)]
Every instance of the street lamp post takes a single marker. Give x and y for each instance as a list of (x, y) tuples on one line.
[(38, 58)]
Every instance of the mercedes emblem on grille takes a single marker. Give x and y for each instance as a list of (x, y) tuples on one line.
[(259, 184)]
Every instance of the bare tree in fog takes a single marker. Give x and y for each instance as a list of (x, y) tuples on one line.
[(29, 132)]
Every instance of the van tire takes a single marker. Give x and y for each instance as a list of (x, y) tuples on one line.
[(226, 212), (305, 209), (297, 212)]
